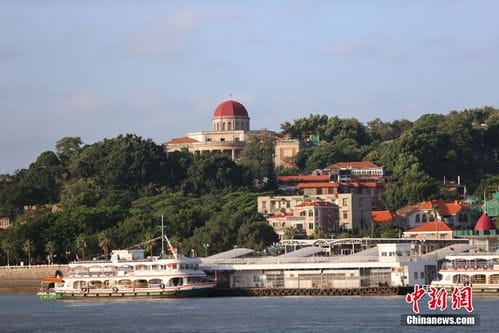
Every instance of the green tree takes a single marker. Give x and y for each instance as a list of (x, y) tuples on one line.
[(28, 248), (212, 172), (104, 243), (258, 157), (126, 162), (257, 235), (67, 148), (50, 248), (7, 247), (81, 245)]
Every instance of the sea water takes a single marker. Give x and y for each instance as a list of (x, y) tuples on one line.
[(26, 313)]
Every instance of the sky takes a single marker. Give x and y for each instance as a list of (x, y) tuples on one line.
[(96, 69)]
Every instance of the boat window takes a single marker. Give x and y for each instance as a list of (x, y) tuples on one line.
[(140, 284), (109, 270), (125, 283), (494, 279), (79, 284), (95, 284), (123, 270), (460, 278), (154, 283)]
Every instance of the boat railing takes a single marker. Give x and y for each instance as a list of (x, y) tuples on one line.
[(279, 260)]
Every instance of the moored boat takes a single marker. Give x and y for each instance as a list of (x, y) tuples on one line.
[(128, 274), (477, 270)]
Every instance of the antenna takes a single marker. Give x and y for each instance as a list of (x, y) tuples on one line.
[(162, 238)]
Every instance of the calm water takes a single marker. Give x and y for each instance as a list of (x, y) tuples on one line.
[(25, 313)]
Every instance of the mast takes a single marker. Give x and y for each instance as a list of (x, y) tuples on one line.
[(162, 238)]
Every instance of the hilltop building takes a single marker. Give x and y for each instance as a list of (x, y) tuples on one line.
[(230, 130), (229, 134)]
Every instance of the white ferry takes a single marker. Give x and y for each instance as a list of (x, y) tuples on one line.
[(129, 274), (478, 270)]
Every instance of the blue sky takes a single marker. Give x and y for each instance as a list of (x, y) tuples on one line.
[(97, 69)]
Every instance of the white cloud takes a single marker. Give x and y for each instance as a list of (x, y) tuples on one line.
[(168, 37), (81, 102)]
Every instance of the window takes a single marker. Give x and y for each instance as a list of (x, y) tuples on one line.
[(345, 214), (418, 218), (415, 275), (311, 226), (421, 275), (345, 202), (310, 213)]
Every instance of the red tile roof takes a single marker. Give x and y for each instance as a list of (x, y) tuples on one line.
[(432, 227), (230, 109), (303, 178), (444, 207), (185, 139), (384, 216)]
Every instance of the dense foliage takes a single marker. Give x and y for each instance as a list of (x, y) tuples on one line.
[(87, 199)]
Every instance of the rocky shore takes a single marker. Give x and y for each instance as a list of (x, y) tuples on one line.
[(26, 279)]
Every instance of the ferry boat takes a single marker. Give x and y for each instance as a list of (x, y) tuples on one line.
[(478, 270), (129, 274)]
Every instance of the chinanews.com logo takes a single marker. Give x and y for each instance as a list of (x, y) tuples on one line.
[(460, 298)]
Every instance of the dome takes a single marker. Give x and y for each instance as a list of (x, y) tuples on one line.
[(230, 109), (484, 223)]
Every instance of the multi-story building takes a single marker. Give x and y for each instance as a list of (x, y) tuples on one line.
[(453, 213), (354, 209), (309, 218), (344, 177)]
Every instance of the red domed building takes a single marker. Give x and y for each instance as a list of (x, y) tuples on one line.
[(230, 131)]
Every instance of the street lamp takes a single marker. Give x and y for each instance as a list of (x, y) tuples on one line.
[(206, 246)]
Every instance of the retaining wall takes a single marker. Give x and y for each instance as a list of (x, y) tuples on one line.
[(16, 279)]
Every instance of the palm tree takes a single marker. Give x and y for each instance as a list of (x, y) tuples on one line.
[(50, 249), (104, 243), (28, 248), (148, 243), (7, 247), (289, 233), (81, 245)]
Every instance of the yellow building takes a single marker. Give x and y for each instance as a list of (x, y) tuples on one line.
[(230, 130)]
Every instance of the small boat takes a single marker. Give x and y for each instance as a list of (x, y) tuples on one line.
[(129, 274), (47, 290), (478, 270)]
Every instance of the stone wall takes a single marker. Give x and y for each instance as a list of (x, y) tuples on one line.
[(26, 279)]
